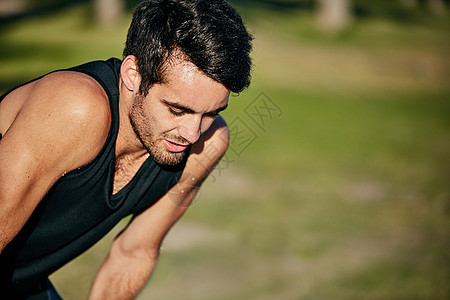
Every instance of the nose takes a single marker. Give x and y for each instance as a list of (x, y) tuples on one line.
[(190, 129)]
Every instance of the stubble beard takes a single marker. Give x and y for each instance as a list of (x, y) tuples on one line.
[(142, 127)]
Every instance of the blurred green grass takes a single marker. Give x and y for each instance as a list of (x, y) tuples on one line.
[(344, 196)]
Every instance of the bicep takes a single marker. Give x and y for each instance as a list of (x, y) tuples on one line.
[(27, 171), (22, 185)]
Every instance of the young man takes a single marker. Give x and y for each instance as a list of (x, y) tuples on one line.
[(84, 147)]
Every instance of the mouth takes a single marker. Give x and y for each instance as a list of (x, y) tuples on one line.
[(174, 147)]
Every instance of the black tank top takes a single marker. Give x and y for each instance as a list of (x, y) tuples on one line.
[(80, 208)]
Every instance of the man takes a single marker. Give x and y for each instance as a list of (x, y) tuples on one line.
[(84, 147)]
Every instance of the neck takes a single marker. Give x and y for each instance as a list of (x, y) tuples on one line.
[(127, 143)]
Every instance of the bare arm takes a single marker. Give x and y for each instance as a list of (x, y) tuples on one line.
[(45, 138), (134, 253)]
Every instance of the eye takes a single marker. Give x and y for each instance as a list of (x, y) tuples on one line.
[(176, 112), (212, 115)]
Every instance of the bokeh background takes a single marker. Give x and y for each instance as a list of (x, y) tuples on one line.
[(337, 181)]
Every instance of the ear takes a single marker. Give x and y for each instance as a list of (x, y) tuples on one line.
[(129, 73)]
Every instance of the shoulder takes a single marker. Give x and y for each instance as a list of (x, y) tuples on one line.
[(208, 150), (214, 142), (74, 98), (68, 110), (73, 93)]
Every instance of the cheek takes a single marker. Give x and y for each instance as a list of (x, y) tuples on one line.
[(161, 121), (167, 123)]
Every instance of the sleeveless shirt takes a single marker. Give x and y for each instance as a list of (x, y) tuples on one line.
[(80, 208)]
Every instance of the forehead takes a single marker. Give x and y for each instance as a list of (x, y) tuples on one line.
[(182, 70), (189, 84)]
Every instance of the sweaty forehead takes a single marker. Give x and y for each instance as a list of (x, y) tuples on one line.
[(187, 72), (180, 68)]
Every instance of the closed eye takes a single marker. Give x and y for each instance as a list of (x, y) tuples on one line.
[(215, 113), (212, 114), (179, 110), (176, 112)]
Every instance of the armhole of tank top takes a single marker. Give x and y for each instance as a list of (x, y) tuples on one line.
[(113, 129), (114, 111)]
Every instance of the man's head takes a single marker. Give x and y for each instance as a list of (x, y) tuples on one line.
[(210, 33), (189, 55)]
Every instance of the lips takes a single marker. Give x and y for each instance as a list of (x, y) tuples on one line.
[(174, 147)]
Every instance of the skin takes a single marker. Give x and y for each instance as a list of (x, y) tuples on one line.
[(181, 111)]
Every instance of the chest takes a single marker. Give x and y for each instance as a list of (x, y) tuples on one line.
[(126, 168)]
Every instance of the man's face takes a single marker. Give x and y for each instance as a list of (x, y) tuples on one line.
[(174, 113)]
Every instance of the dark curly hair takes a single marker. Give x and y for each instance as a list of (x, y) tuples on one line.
[(210, 33)]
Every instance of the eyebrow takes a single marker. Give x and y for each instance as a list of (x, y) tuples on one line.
[(190, 110)]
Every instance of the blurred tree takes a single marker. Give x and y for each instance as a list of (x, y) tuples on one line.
[(437, 6), (108, 12), (8, 7), (408, 3), (333, 15)]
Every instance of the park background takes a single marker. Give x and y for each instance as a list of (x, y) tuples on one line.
[(337, 181)]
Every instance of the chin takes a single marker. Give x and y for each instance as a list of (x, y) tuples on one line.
[(170, 159)]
